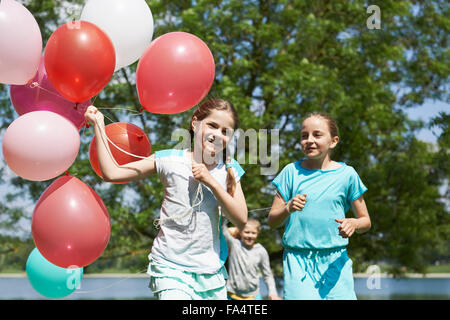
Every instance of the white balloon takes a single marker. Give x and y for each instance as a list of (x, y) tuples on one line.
[(128, 23)]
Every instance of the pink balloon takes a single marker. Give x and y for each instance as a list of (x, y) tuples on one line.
[(70, 224), (30, 97), (40, 145), (20, 43), (174, 73)]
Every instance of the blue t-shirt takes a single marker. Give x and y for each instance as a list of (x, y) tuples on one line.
[(329, 195)]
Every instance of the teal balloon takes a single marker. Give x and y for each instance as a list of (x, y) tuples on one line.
[(50, 280)]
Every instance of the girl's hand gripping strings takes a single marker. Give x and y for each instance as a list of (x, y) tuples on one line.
[(234, 207), (201, 173), (111, 170), (94, 116)]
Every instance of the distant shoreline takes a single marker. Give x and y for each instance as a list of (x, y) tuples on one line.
[(407, 275), (144, 275)]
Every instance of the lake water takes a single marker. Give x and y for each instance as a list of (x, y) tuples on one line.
[(137, 288)]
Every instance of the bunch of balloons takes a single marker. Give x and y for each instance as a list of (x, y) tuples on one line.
[(51, 91)]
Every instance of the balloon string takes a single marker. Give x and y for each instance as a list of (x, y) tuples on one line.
[(260, 209), (132, 275), (112, 121), (157, 223), (135, 113), (103, 135), (84, 129), (37, 85), (110, 285), (94, 99)]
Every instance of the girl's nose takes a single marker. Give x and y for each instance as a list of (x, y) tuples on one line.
[(310, 139)]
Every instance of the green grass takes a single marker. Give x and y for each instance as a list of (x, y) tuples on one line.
[(443, 268), (11, 270), (111, 270)]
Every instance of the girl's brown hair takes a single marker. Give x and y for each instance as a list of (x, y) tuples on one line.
[(332, 125), (203, 111)]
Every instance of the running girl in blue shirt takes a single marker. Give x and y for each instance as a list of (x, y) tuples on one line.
[(313, 195)]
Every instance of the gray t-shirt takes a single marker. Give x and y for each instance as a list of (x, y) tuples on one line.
[(244, 265)]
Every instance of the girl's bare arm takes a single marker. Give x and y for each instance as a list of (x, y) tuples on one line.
[(111, 170), (234, 207), (360, 224), (278, 213)]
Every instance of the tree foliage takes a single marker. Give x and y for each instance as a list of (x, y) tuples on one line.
[(276, 61)]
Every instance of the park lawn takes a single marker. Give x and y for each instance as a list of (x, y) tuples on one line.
[(443, 268)]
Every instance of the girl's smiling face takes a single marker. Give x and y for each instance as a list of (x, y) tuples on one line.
[(215, 131), (316, 139)]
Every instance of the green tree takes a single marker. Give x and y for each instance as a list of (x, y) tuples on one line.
[(277, 61)]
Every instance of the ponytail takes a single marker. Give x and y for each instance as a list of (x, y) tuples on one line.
[(231, 182)]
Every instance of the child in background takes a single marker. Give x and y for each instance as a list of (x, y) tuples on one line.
[(313, 196), (246, 259), (188, 255)]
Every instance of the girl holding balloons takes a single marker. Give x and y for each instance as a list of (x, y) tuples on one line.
[(188, 255)]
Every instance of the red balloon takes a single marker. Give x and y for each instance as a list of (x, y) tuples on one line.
[(126, 136), (70, 224), (80, 60), (175, 73)]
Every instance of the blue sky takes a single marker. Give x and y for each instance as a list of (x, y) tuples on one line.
[(426, 112)]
